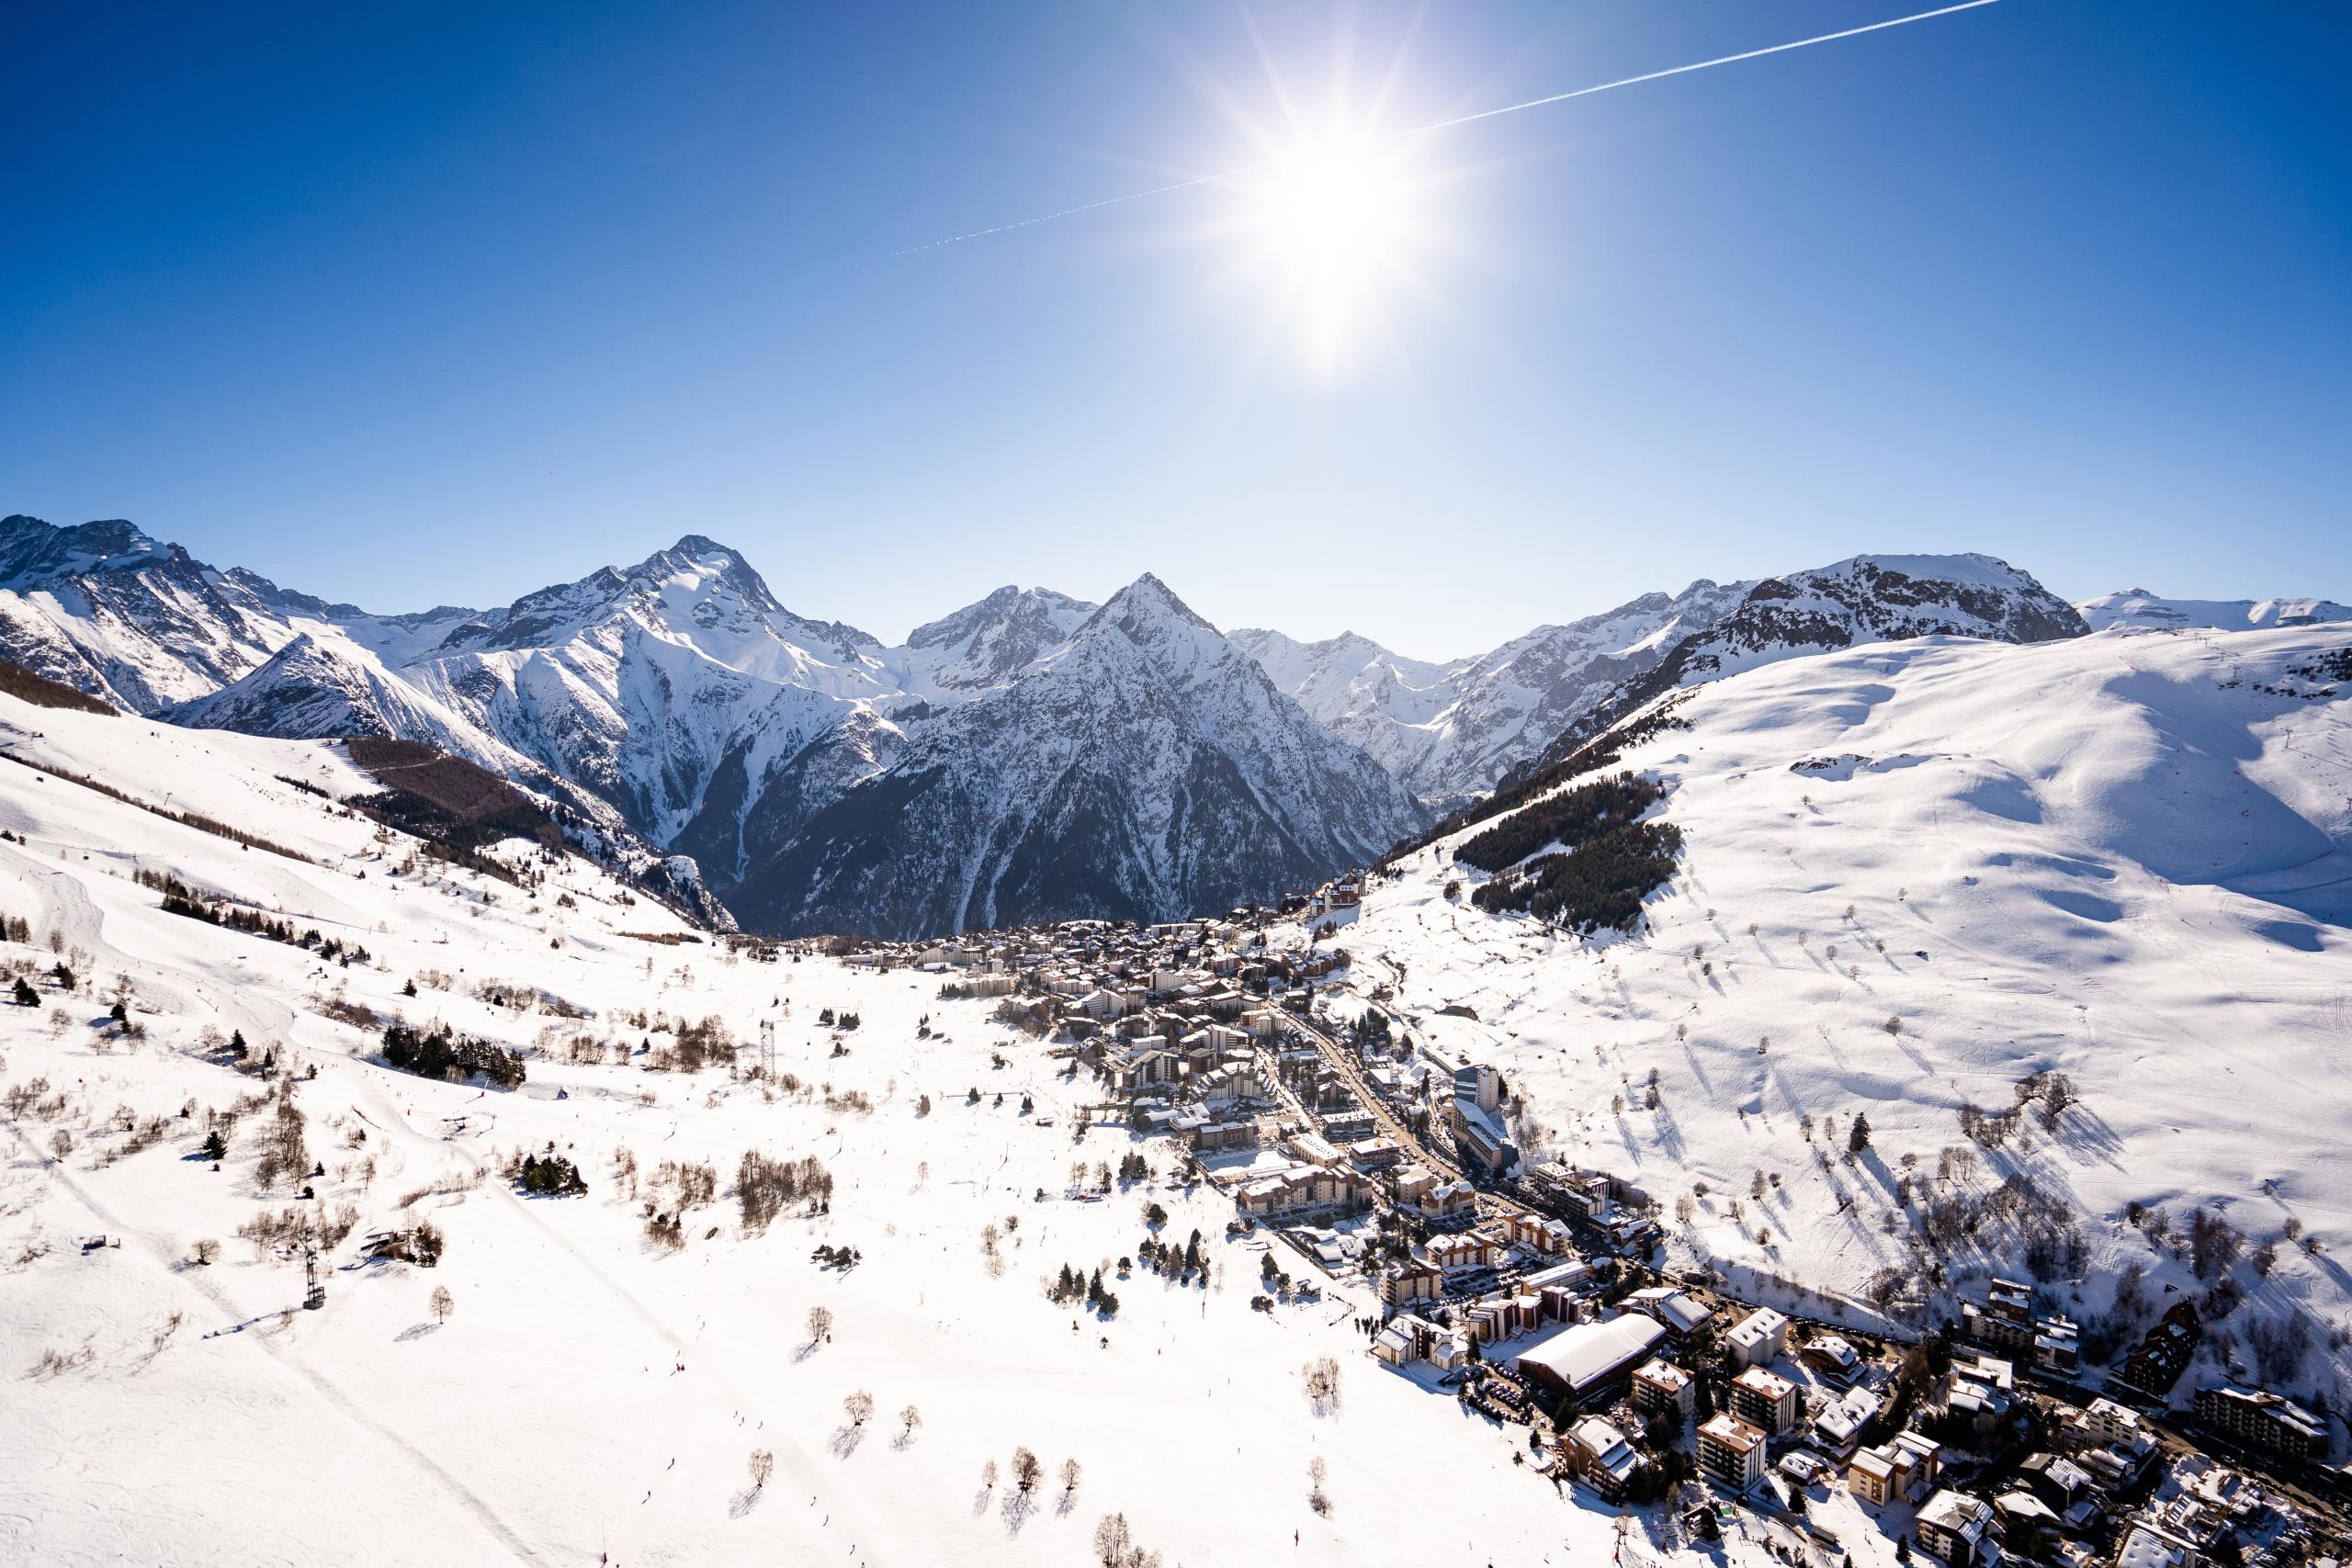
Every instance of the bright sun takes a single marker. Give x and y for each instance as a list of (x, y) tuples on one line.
[(1331, 228)]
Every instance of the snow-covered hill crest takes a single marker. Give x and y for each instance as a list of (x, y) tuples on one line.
[(1914, 877), (2136, 609), (1866, 599)]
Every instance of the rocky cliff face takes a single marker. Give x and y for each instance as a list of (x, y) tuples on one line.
[(1143, 770)]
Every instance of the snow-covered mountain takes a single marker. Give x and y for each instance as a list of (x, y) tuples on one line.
[(680, 698), (1451, 731), (1913, 875), (1146, 769), (2136, 609), (1867, 599)]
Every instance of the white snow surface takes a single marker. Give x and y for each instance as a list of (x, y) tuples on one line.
[(592, 1397), (2137, 609), (2127, 859)]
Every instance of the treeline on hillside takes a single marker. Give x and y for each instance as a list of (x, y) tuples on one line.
[(179, 898), (41, 692), (1602, 750), (1601, 885), (1611, 862), (447, 802), (194, 820), (1569, 819), (444, 1055)]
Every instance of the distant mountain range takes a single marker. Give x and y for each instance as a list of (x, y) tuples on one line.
[(1030, 756)]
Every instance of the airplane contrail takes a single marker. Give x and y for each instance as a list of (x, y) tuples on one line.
[(1458, 119)]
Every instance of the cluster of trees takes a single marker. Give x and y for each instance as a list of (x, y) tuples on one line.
[(828, 1256), (284, 1153), (1075, 1283), (548, 1175), (1184, 1262), (179, 898), (1321, 1376), (830, 1020), (444, 1054), (1115, 1545), (422, 1245), (1608, 864), (765, 1188), (1570, 818)]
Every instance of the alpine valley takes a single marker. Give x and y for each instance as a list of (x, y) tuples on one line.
[(1029, 757)]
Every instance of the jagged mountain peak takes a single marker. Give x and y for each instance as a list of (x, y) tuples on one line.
[(1146, 600), (1007, 604), (34, 551), (697, 560)]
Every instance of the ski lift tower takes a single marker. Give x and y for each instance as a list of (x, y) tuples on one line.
[(314, 1290), (767, 1049)]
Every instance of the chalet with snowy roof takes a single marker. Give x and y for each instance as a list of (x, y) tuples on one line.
[(1599, 1456), (1405, 1339), (1957, 1530), (1981, 1390), (1833, 1358), (2163, 1354), (1837, 1428), (1681, 1315)]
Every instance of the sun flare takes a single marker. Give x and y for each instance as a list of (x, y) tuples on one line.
[(1333, 226)]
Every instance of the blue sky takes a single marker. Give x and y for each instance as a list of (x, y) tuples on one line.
[(405, 306)]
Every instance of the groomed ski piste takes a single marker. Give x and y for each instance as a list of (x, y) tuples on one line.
[(1914, 875), (594, 1396)]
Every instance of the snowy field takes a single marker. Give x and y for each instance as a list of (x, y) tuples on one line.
[(1914, 875), (594, 1395)]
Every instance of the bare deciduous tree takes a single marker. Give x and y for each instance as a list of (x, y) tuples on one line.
[(821, 1325), (1026, 1470), (860, 1406), (443, 1304), (1113, 1540), (762, 1466), (1070, 1471), (908, 1419), (1322, 1379)]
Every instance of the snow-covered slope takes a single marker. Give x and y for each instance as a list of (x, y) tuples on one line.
[(1914, 875), (1146, 769), (2136, 609), (593, 1395)]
